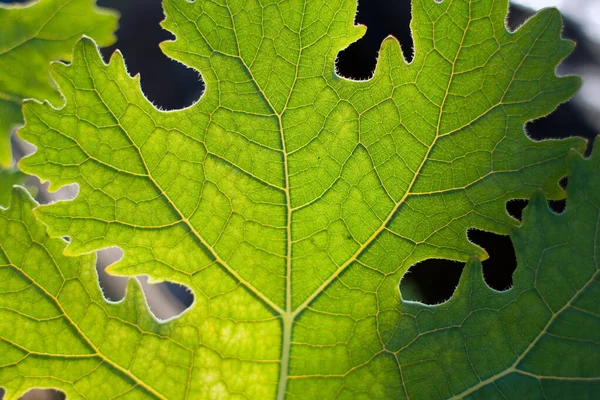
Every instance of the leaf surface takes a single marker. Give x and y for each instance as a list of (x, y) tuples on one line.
[(31, 36), (9, 178), (56, 328), (539, 339), (291, 201)]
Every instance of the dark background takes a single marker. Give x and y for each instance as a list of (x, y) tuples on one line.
[(170, 85)]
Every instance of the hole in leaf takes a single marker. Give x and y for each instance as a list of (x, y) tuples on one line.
[(44, 196), (515, 208), (382, 18), (21, 148), (498, 269), (517, 16), (559, 206), (166, 83), (112, 286), (564, 182), (431, 281), (566, 121), (166, 300), (42, 394)]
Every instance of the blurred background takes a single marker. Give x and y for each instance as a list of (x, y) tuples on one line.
[(170, 85)]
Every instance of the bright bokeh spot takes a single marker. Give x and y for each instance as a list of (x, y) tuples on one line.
[(537, 4)]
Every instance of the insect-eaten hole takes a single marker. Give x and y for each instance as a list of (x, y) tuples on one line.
[(515, 207), (382, 18), (43, 196), (40, 191), (165, 300), (432, 281), (566, 121), (498, 269), (559, 206), (40, 394), (167, 83), (113, 287)]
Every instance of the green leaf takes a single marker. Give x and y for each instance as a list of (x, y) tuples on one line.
[(8, 178), (30, 37), (291, 201), (56, 329), (539, 339), (10, 115)]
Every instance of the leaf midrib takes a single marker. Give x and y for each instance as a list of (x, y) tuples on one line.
[(174, 207), (416, 174), (289, 316), (287, 313), (408, 192)]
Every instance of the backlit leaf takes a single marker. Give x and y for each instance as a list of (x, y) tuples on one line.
[(31, 36), (291, 201)]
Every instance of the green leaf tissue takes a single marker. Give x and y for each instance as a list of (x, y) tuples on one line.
[(291, 201)]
